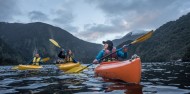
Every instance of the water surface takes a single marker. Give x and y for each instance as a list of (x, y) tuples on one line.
[(157, 78)]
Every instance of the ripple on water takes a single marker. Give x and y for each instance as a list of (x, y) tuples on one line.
[(146, 83), (8, 74), (34, 86), (90, 84), (155, 79), (144, 70), (158, 69), (5, 91), (172, 77), (168, 72), (33, 78), (64, 77), (8, 81), (93, 92), (72, 86), (166, 90)]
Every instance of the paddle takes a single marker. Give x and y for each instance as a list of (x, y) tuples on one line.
[(140, 39), (45, 59), (57, 44)]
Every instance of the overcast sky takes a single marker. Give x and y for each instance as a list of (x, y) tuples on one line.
[(95, 20)]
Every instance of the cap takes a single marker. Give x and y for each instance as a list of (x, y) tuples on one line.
[(109, 42)]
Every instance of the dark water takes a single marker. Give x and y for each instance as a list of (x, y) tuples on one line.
[(157, 78)]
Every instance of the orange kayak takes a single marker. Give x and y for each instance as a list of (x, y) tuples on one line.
[(128, 71), (67, 66)]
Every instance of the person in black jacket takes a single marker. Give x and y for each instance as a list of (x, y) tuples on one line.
[(66, 57), (61, 55)]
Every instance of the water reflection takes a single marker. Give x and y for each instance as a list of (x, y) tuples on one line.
[(128, 88)]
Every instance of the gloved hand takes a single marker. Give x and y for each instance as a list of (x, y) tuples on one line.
[(107, 51), (125, 49), (124, 46), (62, 50), (95, 61)]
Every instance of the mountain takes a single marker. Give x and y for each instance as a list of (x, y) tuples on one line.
[(170, 42), (186, 56), (26, 38), (7, 55), (128, 36)]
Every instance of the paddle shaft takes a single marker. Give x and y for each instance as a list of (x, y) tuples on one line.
[(140, 39), (114, 52), (106, 56)]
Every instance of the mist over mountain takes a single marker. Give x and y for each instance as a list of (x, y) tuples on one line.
[(170, 42), (129, 36)]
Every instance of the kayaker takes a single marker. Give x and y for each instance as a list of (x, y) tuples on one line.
[(61, 55), (68, 57), (36, 60), (108, 48)]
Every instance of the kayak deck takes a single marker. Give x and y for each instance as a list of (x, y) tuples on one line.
[(67, 66), (27, 67)]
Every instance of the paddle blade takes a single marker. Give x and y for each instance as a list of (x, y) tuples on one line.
[(45, 59), (76, 69), (54, 42), (143, 38)]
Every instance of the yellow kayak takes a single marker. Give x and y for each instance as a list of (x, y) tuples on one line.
[(27, 67), (67, 66)]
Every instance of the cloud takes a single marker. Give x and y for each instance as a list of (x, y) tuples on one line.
[(90, 36), (122, 7), (98, 37), (37, 16), (8, 9), (142, 13), (123, 16), (115, 26), (64, 18), (112, 19)]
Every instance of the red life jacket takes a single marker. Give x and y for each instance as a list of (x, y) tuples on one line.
[(111, 57)]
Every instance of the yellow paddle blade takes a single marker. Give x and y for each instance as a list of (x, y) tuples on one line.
[(54, 42), (143, 38), (76, 69), (45, 59)]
